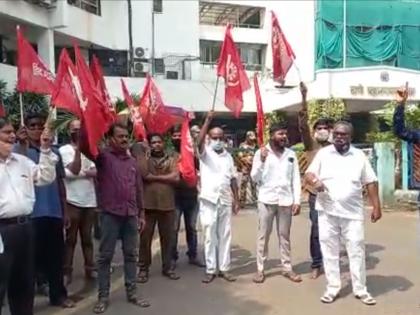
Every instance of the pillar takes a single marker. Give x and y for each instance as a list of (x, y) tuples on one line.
[(46, 48), (385, 167)]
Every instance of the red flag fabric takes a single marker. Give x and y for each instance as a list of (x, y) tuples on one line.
[(2, 109), (98, 77), (32, 75), (186, 163), (94, 118), (138, 126), (155, 115), (67, 93), (283, 54), (231, 69), (260, 113)]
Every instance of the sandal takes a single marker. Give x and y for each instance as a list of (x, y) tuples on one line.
[(138, 302), (292, 276), (170, 275), (227, 276), (366, 299), (315, 273), (143, 276), (328, 298), (208, 278), (100, 306), (259, 277)]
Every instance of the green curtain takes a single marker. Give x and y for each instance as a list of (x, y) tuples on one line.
[(377, 32)]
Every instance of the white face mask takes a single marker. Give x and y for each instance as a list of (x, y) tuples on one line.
[(322, 135), (217, 145)]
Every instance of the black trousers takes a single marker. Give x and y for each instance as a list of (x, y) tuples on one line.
[(49, 255), (17, 268)]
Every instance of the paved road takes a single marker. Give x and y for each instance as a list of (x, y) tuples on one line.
[(393, 278)]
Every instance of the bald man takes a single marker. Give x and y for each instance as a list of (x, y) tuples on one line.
[(218, 199)]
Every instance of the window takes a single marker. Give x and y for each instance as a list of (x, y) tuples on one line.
[(113, 62), (92, 6), (251, 54), (157, 6)]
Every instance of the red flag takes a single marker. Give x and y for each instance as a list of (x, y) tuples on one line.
[(260, 113), (139, 130), (94, 118), (33, 75), (156, 117), (98, 77), (2, 109), (186, 163), (67, 86), (283, 54), (231, 69)]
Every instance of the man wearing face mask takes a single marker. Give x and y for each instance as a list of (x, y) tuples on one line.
[(218, 199), (160, 175), (339, 172), (275, 169), (49, 217), (18, 177), (321, 138), (81, 202), (186, 204)]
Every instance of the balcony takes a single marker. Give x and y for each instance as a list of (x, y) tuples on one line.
[(91, 6)]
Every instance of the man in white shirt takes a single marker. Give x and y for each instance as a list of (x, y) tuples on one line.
[(339, 172), (275, 169), (18, 176), (218, 198), (81, 202)]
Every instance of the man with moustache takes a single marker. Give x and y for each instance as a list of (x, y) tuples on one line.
[(218, 199), (18, 177), (120, 199), (339, 172), (322, 131), (275, 169), (160, 175)]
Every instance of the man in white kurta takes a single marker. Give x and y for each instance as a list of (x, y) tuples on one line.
[(339, 172), (275, 169), (218, 198)]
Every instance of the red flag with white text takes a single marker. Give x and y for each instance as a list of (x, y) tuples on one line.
[(231, 69), (94, 116), (32, 73), (283, 54), (135, 115), (153, 111), (67, 86), (186, 163), (98, 77), (260, 113)]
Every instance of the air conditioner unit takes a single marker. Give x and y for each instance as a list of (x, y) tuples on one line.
[(141, 68), (139, 53)]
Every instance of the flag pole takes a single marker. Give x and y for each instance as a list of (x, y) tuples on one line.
[(21, 109), (298, 71), (215, 94)]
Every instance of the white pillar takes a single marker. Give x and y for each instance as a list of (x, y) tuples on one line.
[(46, 48)]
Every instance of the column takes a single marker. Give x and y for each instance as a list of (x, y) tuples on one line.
[(385, 168), (46, 48)]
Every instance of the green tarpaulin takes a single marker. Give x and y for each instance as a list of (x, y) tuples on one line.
[(377, 33)]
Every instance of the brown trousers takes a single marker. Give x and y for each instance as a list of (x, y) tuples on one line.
[(165, 221), (81, 222)]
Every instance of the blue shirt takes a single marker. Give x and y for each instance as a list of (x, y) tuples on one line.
[(47, 198), (400, 130)]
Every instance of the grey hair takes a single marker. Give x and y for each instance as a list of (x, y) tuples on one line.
[(345, 123)]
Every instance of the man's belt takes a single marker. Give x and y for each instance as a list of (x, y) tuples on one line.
[(15, 220)]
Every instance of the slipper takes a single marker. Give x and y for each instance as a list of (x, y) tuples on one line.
[(143, 276), (227, 276), (291, 276), (100, 306), (366, 299), (328, 298), (138, 302), (208, 278), (259, 277), (170, 275)]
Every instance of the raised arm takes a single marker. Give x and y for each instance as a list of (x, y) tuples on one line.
[(44, 172), (203, 132), (400, 129), (304, 128)]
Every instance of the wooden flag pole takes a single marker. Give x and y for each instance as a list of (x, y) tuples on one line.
[(22, 123), (215, 94)]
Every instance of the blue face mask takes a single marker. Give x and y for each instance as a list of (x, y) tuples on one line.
[(217, 145)]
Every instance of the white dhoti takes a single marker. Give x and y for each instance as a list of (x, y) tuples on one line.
[(331, 229), (216, 222), (266, 215)]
